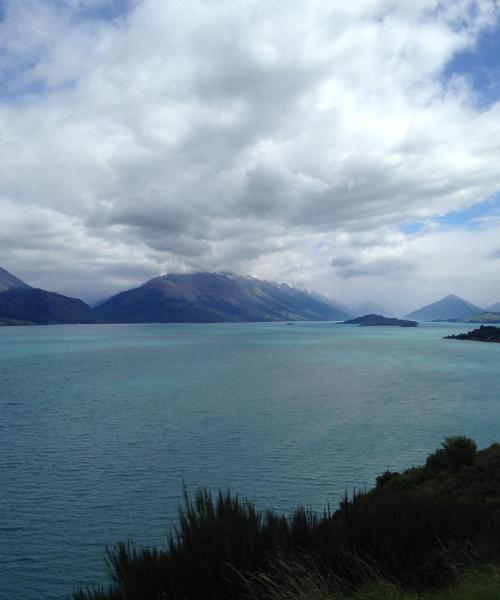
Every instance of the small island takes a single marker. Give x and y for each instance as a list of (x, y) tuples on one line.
[(379, 320), (486, 333)]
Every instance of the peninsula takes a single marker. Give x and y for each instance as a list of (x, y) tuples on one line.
[(486, 333)]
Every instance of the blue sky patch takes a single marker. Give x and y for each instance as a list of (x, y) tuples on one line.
[(108, 11), (480, 65), (470, 217)]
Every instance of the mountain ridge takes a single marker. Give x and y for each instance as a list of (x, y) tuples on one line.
[(9, 281), (215, 297), (34, 306)]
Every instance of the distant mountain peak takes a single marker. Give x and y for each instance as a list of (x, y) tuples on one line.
[(9, 281), (449, 308), (494, 307)]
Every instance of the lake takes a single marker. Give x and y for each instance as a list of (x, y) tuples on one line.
[(100, 425)]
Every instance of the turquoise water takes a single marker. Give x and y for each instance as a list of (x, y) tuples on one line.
[(100, 425)]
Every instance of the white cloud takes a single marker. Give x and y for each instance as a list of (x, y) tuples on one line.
[(288, 142)]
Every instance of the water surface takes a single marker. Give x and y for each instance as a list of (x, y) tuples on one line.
[(101, 424)]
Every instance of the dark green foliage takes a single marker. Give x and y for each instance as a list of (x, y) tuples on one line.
[(436, 461), (460, 451), (456, 452), (409, 531), (385, 478), (485, 333)]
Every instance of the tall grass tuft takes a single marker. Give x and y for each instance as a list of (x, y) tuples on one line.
[(220, 541), (415, 531)]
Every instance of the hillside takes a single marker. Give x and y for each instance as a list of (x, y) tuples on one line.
[(456, 472), (487, 317), (215, 297), (32, 306), (9, 281), (450, 308), (493, 308)]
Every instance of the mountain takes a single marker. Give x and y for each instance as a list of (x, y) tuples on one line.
[(451, 308), (370, 308), (215, 297), (487, 317), (493, 308), (9, 281), (378, 320), (32, 306)]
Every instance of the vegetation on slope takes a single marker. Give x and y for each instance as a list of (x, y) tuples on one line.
[(417, 531), (486, 333)]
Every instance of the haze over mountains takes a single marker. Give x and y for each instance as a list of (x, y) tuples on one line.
[(367, 308), (205, 298)]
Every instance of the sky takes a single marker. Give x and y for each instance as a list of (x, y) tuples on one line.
[(351, 148)]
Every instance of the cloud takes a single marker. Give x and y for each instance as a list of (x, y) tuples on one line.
[(144, 137)]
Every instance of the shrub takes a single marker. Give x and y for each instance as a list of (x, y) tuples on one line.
[(456, 452), (460, 451)]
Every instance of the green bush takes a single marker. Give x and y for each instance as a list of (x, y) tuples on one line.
[(456, 452), (460, 452)]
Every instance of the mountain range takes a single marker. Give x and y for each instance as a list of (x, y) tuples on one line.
[(215, 297), (195, 298), (204, 298)]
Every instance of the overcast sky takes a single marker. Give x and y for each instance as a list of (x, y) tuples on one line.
[(352, 148)]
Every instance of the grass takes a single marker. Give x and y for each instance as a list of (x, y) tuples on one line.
[(304, 582)]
